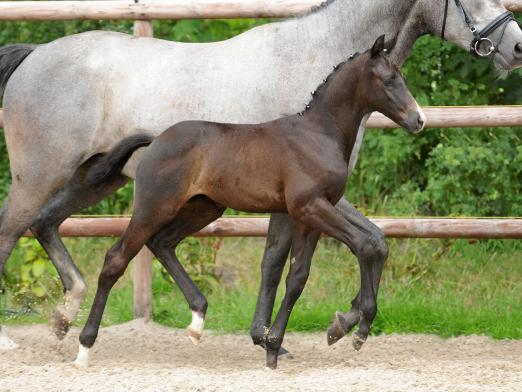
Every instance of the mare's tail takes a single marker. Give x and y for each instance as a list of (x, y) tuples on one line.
[(11, 56), (111, 164)]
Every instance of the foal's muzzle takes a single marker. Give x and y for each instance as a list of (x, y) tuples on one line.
[(415, 122)]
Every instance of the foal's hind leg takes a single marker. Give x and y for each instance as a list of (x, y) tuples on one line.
[(153, 210), (74, 197), (195, 215), (116, 261), (375, 256)]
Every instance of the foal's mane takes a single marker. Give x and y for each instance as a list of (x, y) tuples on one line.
[(320, 89)]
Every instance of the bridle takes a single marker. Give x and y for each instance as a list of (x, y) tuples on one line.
[(481, 38)]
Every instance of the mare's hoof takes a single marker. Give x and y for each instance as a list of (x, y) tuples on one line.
[(357, 342), (60, 324), (6, 343), (337, 329)]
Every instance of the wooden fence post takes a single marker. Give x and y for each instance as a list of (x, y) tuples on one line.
[(142, 271)]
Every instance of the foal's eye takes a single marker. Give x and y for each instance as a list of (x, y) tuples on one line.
[(390, 81)]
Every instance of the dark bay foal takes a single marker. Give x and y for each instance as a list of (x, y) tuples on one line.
[(296, 165)]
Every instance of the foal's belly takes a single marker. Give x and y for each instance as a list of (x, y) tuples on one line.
[(260, 201), (249, 193)]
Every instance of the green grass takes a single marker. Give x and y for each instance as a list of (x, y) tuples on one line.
[(428, 286)]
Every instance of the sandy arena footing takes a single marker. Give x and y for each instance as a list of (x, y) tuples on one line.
[(147, 357)]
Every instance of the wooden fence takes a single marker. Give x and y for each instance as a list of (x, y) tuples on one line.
[(437, 117), (167, 9), (145, 11), (472, 228)]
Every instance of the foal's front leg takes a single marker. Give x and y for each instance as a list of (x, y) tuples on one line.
[(278, 242), (304, 241), (323, 216), (374, 256)]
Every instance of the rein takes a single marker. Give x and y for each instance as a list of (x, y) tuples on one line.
[(481, 36)]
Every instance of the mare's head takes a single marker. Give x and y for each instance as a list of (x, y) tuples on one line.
[(483, 27), (382, 88)]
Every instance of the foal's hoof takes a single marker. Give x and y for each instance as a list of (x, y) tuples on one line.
[(337, 329), (194, 336), (271, 359), (60, 324), (357, 342), (284, 353), (195, 329), (82, 360)]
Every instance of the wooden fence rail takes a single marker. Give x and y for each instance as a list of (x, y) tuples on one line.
[(449, 117), (475, 228), (166, 9)]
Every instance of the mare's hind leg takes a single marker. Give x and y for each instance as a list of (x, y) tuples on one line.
[(19, 211), (278, 244), (74, 197), (375, 256), (304, 242), (195, 215)]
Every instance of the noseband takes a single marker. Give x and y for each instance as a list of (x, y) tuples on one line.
[(481, 45)]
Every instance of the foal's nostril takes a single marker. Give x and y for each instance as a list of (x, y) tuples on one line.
[(420, 120), (518, 50)]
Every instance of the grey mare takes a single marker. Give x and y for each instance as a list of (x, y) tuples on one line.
[(68, 102)]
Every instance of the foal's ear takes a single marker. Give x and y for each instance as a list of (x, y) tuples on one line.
[(378, 46), (390, 45)]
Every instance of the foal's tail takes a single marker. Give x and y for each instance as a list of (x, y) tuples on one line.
[(11, 56), (111, 164)]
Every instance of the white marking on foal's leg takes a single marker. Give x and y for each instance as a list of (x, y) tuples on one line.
[(6, 343), (82, 360), (195, 329)]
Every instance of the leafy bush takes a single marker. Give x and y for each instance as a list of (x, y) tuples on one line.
[(198, 256), (32, 278)]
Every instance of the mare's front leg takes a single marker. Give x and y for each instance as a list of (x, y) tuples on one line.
[(304, 241), (278, 244), (323, 216), (373, 256)]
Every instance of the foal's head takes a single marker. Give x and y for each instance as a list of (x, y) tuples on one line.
[(383, 89)]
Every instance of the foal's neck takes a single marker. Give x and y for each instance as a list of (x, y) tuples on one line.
[(337, 104)]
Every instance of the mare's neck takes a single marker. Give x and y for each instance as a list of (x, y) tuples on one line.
[(344, 27)]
